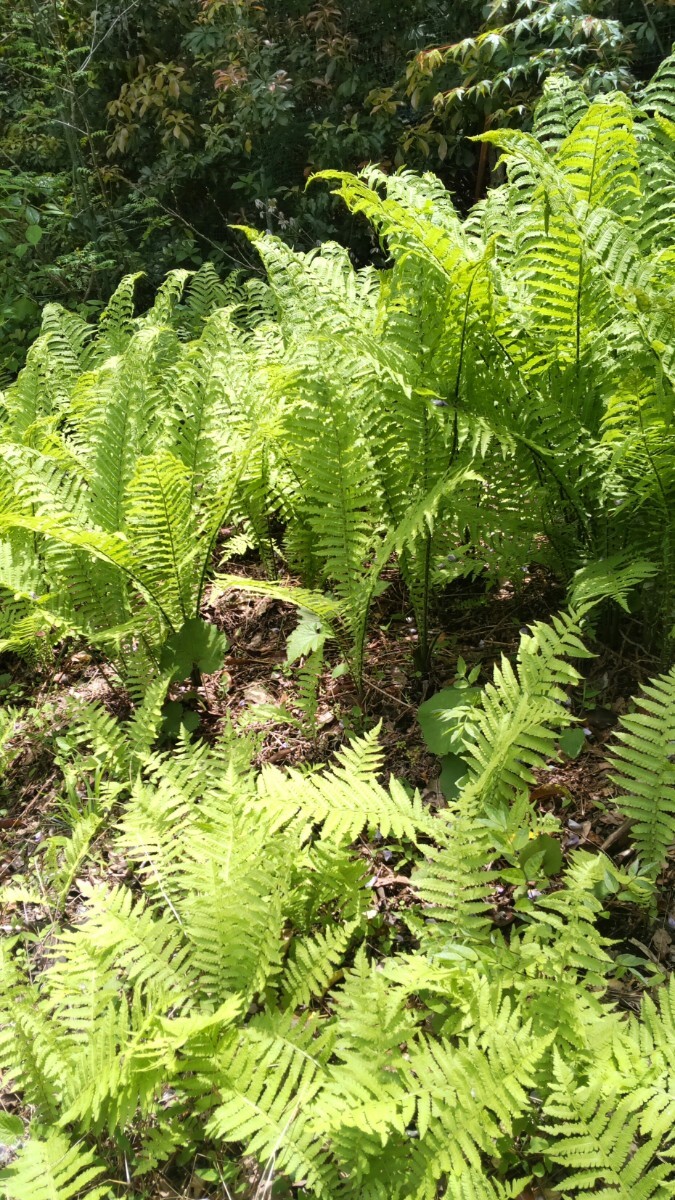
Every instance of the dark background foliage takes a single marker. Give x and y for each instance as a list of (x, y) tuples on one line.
[(133, 135)]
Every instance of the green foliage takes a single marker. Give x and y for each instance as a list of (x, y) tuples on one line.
[(230, 997), (443, 717), (501, 396), (569, 50), (51, 1166), (111, 502), (645, 771), (597, 1141), (195, 644), (553, 275), (131, 137)]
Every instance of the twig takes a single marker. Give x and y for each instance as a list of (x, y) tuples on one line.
[(394, 699), (618, 834), (120, 16)]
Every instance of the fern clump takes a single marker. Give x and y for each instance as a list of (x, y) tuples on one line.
[(501, 396), (228, 997)]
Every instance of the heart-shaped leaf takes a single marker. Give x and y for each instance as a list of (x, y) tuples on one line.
[(308, 636), (196, 644), (453, 769), (177, 717), (572, 742), (442, 718), (548, 848)]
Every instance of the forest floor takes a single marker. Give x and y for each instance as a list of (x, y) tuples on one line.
[(475, 624)]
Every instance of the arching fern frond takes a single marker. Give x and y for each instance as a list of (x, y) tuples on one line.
[(51, 1167), (345, 798)]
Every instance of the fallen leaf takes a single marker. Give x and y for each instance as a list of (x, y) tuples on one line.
[(548, 791), (81, 659), (254, 693), (662, 942)]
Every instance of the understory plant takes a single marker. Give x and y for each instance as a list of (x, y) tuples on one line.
[(199, 974), (237, 997), (500, 395), (114, 487)]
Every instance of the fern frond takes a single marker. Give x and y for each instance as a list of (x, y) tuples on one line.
[(561, 107), (344, 799), (160, 528), (313, 964), (51, 1167), (147, 948), (609, 579), (32, 1051), (521, 714), (71, 852), (659, 94), (599, 157), (563, 947), (233, 908), (455, 882), (266, 1088), (115, 326), (654, 1079), (319, 604), (644, 768), (493, 1081), (96, 728), (597, 1141), (514, 730), (474, 1185)]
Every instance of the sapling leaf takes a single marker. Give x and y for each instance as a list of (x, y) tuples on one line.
[(177, 717), (196, 644), (307, 637), (453, 769), (443, 716), (572, 742), (547, 849)]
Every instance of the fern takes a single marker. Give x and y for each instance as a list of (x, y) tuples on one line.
[(612, 578), (338, 418), (267, 1084), (345, 799), (513, 730), (501, 396), (595, 1143), (158, 521), (644, 770), (116, 503), (235, 979), (52, 1168), (314, 965), (562, 105)]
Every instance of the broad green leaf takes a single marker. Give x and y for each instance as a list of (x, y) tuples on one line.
[(442, 718), (196, 644)]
